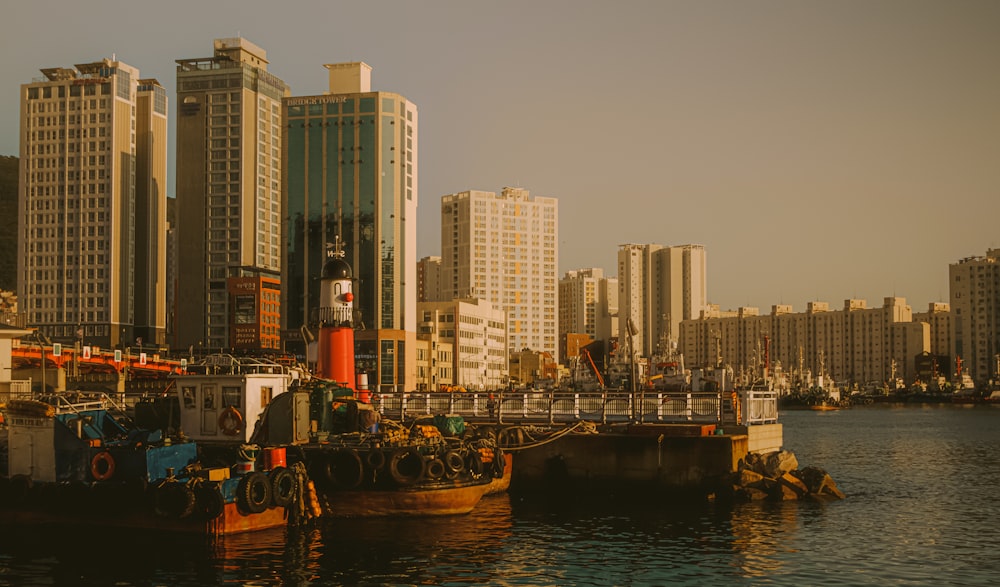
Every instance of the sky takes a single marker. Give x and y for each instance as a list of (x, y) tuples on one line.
[(819, 150)]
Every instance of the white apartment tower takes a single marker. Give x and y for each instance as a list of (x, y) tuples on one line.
[(658, 288), (92, 204), (228, 184), (974, 288), (503, 248)]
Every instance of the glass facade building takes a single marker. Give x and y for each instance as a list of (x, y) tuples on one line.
[(350, 171)]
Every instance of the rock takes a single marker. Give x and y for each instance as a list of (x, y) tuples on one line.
[(794, 483), (812, 477), (748, 478), (778, 463), (754, 462), (829, 488), (786, 493), (753, 494)]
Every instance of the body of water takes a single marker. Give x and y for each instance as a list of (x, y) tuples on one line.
[(921, 509)]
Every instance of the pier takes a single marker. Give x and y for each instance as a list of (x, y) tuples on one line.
[(612, 439)]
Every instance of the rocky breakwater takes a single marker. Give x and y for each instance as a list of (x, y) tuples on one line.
[(776, 476)]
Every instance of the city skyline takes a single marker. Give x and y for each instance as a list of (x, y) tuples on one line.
[(819, 151)]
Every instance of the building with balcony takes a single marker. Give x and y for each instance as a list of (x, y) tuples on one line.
[(503, 248), (588, 306), (92, 204), (477, 335), (855, 345), (658, 288), (974, 290)]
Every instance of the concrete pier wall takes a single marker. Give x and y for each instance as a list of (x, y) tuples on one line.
[(645, 458)]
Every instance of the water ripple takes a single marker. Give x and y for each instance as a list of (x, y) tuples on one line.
[(921, 510)]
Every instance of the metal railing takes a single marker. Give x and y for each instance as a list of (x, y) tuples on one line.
[(607, 406), (17, 389)]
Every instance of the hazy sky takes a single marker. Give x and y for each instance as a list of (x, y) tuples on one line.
[(818, 150)]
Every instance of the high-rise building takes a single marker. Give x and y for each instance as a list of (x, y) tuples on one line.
[(938, 319), (151, 213), (504, 249), (228, 167), (588, 304), (429, 279), (91, 264), (350, 172), (658, 288), (974, 288)]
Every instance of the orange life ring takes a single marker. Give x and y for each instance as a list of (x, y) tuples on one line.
[(231, 421), (102, 466)]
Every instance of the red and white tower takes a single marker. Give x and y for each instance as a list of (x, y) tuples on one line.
[(335, 360)]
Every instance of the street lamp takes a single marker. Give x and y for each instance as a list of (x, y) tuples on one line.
[(42, 340)]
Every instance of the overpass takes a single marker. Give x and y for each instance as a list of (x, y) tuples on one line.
[(52, 366)]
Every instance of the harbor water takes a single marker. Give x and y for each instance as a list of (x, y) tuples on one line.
[(921, 509)]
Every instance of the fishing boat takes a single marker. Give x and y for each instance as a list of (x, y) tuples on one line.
[(239, 444), (328, 424), (84, 462)]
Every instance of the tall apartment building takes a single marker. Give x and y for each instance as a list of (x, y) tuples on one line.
[(151, 213), (503, 248), (228, 167), (974, 289), (588, 304), (855, 345), (658, 288), (351, 165), (938, 318), (429, 279), (475, 333), (91, 208)]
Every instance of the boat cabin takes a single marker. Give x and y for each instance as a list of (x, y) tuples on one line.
[(223, 397)]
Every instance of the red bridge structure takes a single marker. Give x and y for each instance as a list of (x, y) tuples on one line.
[(86, 364)]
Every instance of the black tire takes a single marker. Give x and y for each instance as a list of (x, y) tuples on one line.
[(453, 462), (253, 494), (499, 464), (345, 468), (375, 459), (406, 466), (284, 487), (173, 499), (474, 463), (320, 470), (209, 503), (435, 469)]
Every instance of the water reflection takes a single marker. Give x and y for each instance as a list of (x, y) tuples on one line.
[(920, 509), (431, 550)]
